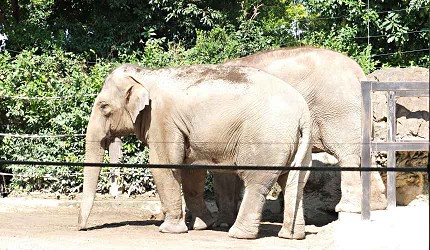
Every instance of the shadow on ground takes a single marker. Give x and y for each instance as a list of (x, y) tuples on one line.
[(125, 223)]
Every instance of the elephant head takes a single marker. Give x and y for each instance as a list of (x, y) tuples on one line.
[(116, 112)]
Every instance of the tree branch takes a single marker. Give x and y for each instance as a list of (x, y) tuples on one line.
[(16, 11)]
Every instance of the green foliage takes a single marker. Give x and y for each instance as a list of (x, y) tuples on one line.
[(54, 74), (107, 27), (223, 43), (399, 30), (46, 75), (66, 48)]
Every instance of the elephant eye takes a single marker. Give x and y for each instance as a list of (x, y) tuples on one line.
[(103, 105), (105, 108)]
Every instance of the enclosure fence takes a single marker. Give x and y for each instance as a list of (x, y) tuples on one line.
[(394, 90)]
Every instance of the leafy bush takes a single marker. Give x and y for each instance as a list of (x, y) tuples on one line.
[(67, 50), (45, 76)]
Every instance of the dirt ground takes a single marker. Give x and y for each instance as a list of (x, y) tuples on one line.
[(124, 224)]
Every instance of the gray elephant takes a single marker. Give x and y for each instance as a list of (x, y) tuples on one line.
[(330, 84), (217, 115)]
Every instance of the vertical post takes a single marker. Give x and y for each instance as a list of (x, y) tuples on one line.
[(114, 155), (391, 161), (365, 149)]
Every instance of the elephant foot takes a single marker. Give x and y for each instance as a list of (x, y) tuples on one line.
[(170, 227), (198, 223), (348, 206), (224, 221), (297, 234), (224, 225), (378, 201), (82, 226), (241, 233)]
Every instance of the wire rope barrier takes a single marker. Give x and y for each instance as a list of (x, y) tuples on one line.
[(210, 167)]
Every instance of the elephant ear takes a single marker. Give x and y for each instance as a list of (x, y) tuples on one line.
[(137, 98)]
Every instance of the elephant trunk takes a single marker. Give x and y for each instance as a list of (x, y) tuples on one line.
[(95, 144)]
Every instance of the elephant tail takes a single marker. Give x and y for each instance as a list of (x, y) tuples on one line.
[(305, 140)]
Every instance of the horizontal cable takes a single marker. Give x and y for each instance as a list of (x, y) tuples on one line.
[(14, 51), (48, 177), (51, 177), (400, 10), (39, 136), (34, 136), (343, 16), (180, 143), (401, 52), (211, 167), (44, 97), (408, 32), (19, 52), (402, 67)]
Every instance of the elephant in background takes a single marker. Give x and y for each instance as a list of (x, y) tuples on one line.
[(330, 84), (206, 114)]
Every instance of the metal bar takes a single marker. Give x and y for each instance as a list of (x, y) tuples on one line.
[(366, 118), (391, 157), (401, 146), (114, 155), (412, 93), (397, 86), (198, 166)]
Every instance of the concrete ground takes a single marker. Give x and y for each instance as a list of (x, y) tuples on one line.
[(133, 224)]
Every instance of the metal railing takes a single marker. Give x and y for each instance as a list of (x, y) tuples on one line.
[(394, 89)]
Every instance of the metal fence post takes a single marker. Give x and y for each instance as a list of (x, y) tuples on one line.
[(115, 154), (365, 149), (391, 156)]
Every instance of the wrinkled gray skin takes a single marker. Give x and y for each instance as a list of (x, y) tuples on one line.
[(219, 115), (330, 84)]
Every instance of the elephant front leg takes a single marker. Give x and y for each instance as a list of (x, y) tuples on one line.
[(227, 187), (193, 184), (169, 190)]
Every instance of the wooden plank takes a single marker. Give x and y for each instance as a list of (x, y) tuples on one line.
[(391, 157), (365, 150), (397, 86), (115, 155)]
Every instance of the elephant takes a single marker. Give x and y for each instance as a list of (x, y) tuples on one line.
[(206, 114), (330, 83)]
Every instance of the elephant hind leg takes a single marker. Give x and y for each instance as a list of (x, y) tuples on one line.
[(257, 186), (193, 188), (341, 137), (292, 184), (351, 188)]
